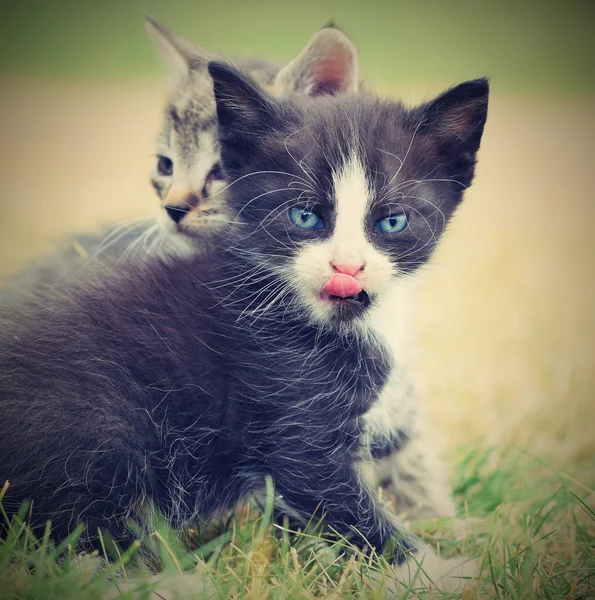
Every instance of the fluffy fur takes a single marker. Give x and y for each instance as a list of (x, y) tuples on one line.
[(182, 386), (78, 252)]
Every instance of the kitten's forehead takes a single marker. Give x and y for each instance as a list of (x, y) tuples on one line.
[(191, 126), (366, 147), (351, 194), (191, 114), (191, 121), (192, 107), (352, 191), (369, 126)]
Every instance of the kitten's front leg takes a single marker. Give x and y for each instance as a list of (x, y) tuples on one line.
[(337, 492), (388, 423)]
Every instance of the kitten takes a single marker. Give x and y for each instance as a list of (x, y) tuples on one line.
[(187, 174), (192, 187), (181, 386)]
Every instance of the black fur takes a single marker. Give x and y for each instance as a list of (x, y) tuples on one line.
[(137, 386), (157, 385)]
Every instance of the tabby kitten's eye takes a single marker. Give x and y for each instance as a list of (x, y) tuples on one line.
[(305, 219), (216, 173), (392, 224), (165, 166)]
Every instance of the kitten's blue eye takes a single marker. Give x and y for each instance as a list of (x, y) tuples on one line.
[(305, 219), (392, 224)]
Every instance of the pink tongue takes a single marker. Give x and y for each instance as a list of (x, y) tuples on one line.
[(342, 285)]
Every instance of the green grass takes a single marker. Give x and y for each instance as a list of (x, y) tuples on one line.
[(533, 527), (521, 44)]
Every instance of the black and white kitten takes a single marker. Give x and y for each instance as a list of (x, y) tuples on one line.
[(192, 187), (182, 388)]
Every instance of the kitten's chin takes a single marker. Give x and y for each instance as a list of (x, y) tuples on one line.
[(362, 298), (337, 312), (179, 245)]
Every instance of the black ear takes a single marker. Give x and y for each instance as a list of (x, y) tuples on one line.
[(245, 113), (455, 122)]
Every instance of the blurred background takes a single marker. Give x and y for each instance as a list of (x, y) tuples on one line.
[(505, 315)]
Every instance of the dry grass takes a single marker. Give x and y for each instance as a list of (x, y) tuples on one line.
[(506, 315)]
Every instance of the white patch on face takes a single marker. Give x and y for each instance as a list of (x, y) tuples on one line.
[(352, 197), (348, 245)]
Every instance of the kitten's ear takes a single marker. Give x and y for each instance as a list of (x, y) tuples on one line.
[(179, 55), (245, 113), (455, 121), (328, 65)]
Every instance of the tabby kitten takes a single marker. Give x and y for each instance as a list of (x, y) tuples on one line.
[(182, 385)]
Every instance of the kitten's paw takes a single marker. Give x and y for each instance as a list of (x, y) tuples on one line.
[(88, 565), (427, 570), (415, 502)]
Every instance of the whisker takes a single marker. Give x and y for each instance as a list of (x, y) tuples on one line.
[(119, 231)]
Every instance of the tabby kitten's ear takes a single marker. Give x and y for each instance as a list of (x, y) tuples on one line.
[(327, 65), (245, 113), (455, 121), (180, 55)]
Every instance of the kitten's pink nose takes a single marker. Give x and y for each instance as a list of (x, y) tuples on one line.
[(342, 286), (348, 269)]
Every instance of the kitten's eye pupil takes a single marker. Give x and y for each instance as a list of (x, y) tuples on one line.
[(165, 166), (392, 224)]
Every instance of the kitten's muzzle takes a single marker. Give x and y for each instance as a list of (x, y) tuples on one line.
[(345, 289), (176, 213)]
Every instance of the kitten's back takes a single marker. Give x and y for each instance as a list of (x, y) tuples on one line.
[(83, 368)]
